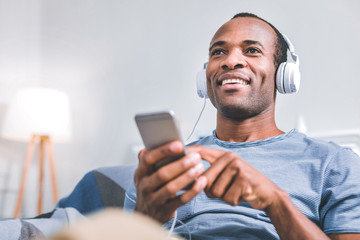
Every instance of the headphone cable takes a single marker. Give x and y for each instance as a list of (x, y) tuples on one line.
[(197, 121), (192, 132)]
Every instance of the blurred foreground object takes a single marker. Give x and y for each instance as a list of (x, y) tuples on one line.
[(114, 224)]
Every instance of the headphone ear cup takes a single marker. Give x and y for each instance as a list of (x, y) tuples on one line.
[(288, 78), (201, 84), (280, 78), (292, 78)]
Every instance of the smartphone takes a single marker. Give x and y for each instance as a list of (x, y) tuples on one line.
[(157, 129)]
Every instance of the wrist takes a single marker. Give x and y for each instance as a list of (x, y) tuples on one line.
[(288, 220), (281, 199)]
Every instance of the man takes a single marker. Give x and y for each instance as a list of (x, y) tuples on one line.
[(258, 182)]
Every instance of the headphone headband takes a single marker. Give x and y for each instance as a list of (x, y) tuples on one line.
[(291, 49)]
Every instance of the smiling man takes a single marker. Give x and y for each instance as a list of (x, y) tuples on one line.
[(252, 180)]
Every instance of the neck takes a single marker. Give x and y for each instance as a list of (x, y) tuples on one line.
[(245, 130)]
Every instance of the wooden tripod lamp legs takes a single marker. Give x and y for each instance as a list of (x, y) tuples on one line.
[(49, 150), (44, 143), (28, 160)]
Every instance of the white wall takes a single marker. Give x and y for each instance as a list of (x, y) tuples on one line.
[(117, 58)]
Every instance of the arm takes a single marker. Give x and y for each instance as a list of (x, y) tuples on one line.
[(233, 180), (285, 215), (347, 236), (156, 191), (289, 222)]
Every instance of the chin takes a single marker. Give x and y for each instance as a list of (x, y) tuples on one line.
[(236, 113)]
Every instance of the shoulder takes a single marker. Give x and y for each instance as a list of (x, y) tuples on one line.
[(320, 147), (337, 161)]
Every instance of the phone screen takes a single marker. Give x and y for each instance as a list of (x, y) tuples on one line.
[(157, 129)]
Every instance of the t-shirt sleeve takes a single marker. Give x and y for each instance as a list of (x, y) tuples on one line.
[(340, 208), (130, 198)]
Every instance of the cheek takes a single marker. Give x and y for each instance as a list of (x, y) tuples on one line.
[(209, 77), (266, 75), (209, 86), (210, 91)]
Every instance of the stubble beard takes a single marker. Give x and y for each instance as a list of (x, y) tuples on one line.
[(245, 108)]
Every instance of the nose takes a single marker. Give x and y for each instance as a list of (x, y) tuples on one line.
[(233, 61)]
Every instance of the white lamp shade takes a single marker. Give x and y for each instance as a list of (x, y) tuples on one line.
[(39, 111)]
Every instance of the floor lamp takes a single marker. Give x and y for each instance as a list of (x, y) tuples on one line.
[(38, 116)]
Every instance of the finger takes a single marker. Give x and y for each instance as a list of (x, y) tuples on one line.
[(141, 153), (208, 154), (172, 171), (186, 197), (170, 189), (234, 194), (217, 167), (168, 150), (223, 181), (142, 168)]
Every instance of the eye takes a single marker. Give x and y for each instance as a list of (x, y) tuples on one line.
[(217, 52), (253, 50)]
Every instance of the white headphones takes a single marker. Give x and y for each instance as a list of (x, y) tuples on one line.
[(287, 75)]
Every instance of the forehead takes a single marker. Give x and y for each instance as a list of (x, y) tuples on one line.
[(246, 28)]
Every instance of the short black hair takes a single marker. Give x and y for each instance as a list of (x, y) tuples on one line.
[(281, 46)]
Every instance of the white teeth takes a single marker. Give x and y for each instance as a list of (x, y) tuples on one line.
[(233, 81)]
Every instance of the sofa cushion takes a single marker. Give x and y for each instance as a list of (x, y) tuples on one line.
[(100, 188)]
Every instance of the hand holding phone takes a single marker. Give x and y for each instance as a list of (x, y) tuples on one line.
[(157, 129)]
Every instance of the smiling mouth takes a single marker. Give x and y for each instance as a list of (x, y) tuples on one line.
[(234, 81)]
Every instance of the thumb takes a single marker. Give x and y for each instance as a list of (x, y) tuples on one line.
[(208, 154)]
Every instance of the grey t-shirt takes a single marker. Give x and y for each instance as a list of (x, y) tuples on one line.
[(322, 179)]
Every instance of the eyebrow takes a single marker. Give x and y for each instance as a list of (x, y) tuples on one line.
[(247, 42), (218, 43), (253, 42)]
